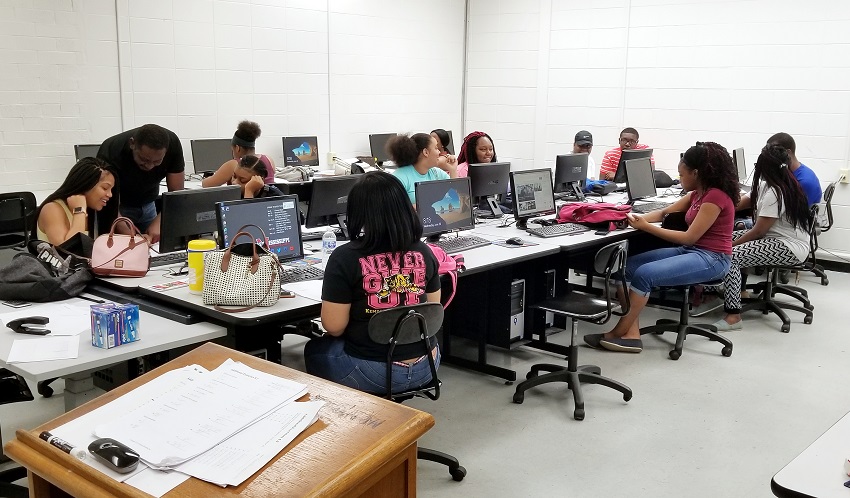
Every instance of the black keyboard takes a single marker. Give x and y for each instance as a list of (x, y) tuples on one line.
[(557, 230), (169, 258), (318, 235), (457, 244), (301, 274), (646, 207)]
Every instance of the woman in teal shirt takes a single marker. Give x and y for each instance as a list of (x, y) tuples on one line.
[(418, 158)]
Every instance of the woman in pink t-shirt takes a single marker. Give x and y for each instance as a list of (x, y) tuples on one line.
[(703, 252), (242, 144), (477, 148)]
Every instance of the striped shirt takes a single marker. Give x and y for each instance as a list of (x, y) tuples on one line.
[(612, 159)]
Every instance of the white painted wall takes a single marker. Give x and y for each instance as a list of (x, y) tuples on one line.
[(679, 71)]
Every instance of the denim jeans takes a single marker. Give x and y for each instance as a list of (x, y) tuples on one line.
[(325, 357), (140, 216), (683, 265)]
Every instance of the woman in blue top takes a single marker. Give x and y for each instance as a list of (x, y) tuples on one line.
[(418, 160)]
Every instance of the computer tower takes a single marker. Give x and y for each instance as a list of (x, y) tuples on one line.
[(550, 293), (517, 313)]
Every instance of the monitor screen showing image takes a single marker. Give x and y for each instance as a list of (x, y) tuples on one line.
[(278, 217), (444, 205), (300, 151), (533, 194)]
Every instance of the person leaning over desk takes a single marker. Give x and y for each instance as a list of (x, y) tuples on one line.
[(385, 265), (611, 160), (143, 157), (84, 203), (704, 250), (241, 145), (249, 174), (418, 160), (477, 147)]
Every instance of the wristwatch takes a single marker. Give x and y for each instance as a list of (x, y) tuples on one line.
[(79, 210)]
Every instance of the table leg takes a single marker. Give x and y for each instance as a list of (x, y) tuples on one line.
[(80, 388)]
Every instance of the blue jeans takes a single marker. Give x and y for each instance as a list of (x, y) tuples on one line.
[(140, 216), (683, 265), (325, 357)]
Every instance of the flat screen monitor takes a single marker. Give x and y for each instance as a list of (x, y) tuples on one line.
[(190, 214), (329, 202), (571, 174), (378, 146), (740, 165), (487, 182), (533, 194), (640, 180), (86, 150), (278, 217), (451, 147), (627, 155), (444, 206), (300, 151), (210, 153)]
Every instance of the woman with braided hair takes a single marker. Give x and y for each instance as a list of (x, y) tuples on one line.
[(703, 252), (477, 148), (780, 233)]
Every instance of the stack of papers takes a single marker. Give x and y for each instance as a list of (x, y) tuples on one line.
[(220, 426)]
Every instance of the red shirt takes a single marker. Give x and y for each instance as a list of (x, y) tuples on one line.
[(718, 237), (611, 160)]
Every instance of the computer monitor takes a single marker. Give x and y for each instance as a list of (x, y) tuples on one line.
[(627, 155), (210, 153), (86, 150), (533, 194), (488, 181), (640, 181), (444, 206), (278, 217), (300, 151), (190, 214), (450, 148), (329, 202), (740, 165), (571, 174), (378, 145)]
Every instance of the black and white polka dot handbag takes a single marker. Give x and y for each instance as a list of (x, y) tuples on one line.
[(243, 275)]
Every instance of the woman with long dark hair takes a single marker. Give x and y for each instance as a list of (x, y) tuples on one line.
[(383, 266), (702, 252), (779, 235), (82, 204), (477, 148)]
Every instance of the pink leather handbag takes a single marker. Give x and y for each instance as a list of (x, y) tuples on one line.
[(119, 255)]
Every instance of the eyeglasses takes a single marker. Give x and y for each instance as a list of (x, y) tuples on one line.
[(628, 141)]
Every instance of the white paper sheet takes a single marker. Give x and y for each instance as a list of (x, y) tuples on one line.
[(156, 482), (311, 289), (195, 417), (44, 348), (66, 317)]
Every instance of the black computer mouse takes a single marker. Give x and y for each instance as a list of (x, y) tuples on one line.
[(114, 455), (514, 241)]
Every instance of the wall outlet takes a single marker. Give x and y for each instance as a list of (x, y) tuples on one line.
[(845, 175)]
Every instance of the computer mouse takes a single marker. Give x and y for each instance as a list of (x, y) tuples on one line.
[(114, 455), (515, 241)]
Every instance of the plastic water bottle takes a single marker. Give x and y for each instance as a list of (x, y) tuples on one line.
[(328, 242)]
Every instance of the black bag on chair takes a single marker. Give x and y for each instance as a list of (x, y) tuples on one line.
[(28, 278)]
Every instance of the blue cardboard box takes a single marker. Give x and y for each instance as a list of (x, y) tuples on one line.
[(114, 324)]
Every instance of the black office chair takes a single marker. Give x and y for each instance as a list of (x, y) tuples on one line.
[(824, 227), (409, 325), (17, 210), (13, 389), (768, 289), (609, 261)]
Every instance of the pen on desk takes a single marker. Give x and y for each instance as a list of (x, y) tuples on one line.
[(63, 445)]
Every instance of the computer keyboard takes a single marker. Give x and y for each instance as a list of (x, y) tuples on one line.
[(457, 244), (301, 274), (169, 258), (646, 207), (318, 235), (559, 229)]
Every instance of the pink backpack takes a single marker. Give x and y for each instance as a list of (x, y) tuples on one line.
[(596, 214), (448, 264)]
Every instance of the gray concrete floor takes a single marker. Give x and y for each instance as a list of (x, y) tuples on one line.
[(702, 426)]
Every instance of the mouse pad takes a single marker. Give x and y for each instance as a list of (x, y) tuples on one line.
[(502, 243)]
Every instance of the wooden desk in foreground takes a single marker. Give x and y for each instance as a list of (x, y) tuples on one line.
[(361, 445)]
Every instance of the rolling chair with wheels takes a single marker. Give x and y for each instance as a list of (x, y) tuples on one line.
[(824, 227), (13, 389), (609, 261), (409, 325)]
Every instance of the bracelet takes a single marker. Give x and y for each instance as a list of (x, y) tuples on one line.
[(80, 212)]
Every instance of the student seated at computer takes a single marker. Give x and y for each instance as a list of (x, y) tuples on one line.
[(383, 266), (611, 160), (779, 235), (242, 144), (477, 148), (583, 144), (84, 203), (703, 252), (418, 160), (443, 141), (249, 174)]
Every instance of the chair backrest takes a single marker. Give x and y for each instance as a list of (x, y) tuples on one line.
[(827, 201), (610, 261), (408, 325), (17, 213)]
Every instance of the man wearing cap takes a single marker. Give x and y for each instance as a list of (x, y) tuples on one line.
[(583, 143), (144, 156)]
